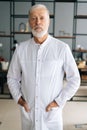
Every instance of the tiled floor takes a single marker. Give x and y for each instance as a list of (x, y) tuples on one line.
[(74, 114), (9, 115)]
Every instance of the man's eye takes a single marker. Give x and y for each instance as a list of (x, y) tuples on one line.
[(33, 18), (42, 18)]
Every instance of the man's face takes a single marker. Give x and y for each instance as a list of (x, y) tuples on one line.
[(39, 22)]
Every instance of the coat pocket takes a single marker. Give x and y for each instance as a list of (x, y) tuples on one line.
[(54, 114), (54, 118), (26, 115)]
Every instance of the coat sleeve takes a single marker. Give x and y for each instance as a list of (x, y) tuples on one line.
[(72, 78), (14, 76)]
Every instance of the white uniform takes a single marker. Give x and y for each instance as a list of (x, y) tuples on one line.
[(36, 72)]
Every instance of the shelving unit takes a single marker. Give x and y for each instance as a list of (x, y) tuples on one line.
[(16, 16), (5, 40), (81, 51), (76, 33), (65, 37), (52, 16), (79, 20)]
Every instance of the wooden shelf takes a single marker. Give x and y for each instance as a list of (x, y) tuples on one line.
[(80, 16), (5, 35), (66, 37), (20, 16), (65, 0), (16, 32), (80, 34), (26, 16), (17, 0), (80, 50), (42, 0)]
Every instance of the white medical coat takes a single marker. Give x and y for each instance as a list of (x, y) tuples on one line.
[(36, 72)]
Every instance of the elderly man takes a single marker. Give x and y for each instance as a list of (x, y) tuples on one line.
[(36, 73)]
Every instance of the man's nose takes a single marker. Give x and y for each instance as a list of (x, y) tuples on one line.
[(37, 20)]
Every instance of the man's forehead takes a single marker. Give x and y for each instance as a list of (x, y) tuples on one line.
[(39, 11)]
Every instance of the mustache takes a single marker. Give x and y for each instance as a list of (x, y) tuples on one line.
[(38, 26)]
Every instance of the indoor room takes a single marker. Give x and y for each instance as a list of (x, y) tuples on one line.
[(68, 25)]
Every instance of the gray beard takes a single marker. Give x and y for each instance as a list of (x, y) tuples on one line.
[(39, 35)]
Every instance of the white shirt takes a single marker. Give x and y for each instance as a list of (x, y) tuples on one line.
[(41, 68)]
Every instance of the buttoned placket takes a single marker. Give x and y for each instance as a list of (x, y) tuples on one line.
[(37, 91)]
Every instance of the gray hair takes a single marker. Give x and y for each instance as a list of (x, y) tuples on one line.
[(38, 6)]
